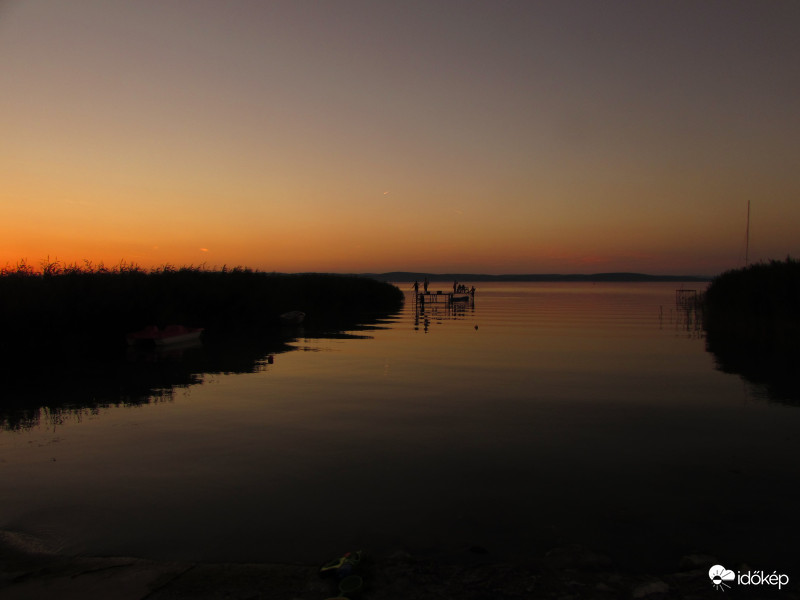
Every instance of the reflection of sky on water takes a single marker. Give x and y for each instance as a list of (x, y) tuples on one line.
[(574, 413)]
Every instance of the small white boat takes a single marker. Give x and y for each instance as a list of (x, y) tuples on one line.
[(293, 317), (172, 334)]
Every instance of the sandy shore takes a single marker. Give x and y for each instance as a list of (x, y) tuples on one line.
[(30, 572)]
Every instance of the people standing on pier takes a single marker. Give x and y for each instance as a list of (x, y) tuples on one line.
[(425, 284), (416, 287), (455, 286)]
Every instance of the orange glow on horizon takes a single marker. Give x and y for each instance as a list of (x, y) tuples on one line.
[(155, 135)]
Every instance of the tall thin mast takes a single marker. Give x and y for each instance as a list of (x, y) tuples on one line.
[(747, 242)]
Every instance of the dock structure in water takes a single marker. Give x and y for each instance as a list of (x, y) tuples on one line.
[(444, 297), (460, 294), (430, 297)]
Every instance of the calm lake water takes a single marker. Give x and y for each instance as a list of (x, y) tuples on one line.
[(544, 414)]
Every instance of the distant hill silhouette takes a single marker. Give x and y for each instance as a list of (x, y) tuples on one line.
[(621, 277)]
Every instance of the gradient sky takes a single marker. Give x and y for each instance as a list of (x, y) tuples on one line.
[(444, 136)]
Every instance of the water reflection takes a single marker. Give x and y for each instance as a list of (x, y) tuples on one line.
[(44, 386), (570, 417), (50, 388), (769, 364), (426, 313), (686, 318)]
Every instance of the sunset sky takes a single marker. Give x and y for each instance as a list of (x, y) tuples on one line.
[(489, 136)]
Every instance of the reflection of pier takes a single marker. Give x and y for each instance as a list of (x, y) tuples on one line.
[(686, 298), (689, 314), (439, 306)]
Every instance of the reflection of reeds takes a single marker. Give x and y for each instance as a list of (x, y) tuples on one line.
[(64, 306), (762, 300)]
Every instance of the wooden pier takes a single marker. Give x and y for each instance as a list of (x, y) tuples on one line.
[(444, 297)]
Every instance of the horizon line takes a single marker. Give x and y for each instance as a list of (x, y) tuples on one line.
[(608, 276)]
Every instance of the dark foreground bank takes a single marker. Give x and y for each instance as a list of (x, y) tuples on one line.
[(29, 572)]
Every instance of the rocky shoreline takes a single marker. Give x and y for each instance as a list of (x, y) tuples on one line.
[(565, 573)]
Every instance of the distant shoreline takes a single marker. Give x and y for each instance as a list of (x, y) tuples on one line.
[(403, 276)]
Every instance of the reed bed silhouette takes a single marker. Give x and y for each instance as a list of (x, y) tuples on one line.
[(62, 306), (63, 326), (752, 323), (761, 300)]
